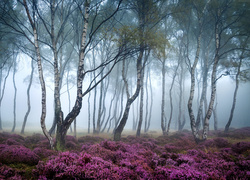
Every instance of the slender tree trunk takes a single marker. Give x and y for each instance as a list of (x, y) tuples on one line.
[(147, 108), (15, 93), (235, 95), (98, 128), (94, 103), (163, 125), (28, 97), (130, 100), (170, 96), (203, 97), (213, 84), (3, 90), (1, 74), (215, 116), (89, 115), (63, 128), (41, 78), (180, 99), (192, 89), (138, 132), (151, 103)]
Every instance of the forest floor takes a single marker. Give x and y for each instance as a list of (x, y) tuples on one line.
[(152, 156)]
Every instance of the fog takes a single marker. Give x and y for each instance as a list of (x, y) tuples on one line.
[(225, 90)]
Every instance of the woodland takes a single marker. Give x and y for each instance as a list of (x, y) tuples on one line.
[(103, 57)]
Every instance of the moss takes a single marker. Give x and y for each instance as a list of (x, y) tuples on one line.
[(24, 169)]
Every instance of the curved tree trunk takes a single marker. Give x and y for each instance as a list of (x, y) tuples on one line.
[(170, 96), (28, 97), (213, 84), (41, 78), (235, 95), (130, 100), (192, 89), (63, 126)]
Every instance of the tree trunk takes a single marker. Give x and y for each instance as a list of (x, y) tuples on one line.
[(163, 124), (89, 115), (15, 88), (191, 95), (147, 109), (213, 84), (138, 132), (98, 128), (3, 90), (1, 75), (180, 99), (151, 103), (28, 97), (130, 100), (235, 95), (63, 126), (203, 97), (170, 96), (215, 116)]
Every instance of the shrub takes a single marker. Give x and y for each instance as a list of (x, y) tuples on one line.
[(9, 173), (241, 147), (17, 154)]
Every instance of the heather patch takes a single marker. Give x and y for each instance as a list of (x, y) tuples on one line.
[(166, 157)]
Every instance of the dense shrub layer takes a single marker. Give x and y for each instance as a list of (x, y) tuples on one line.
[(165, 157)]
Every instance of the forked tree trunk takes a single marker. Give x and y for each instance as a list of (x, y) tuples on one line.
[(130, 100), (63, 126), (213, 84)]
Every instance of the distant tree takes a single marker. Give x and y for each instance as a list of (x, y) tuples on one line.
[(141, 37), (28, 97), (240, 75)]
